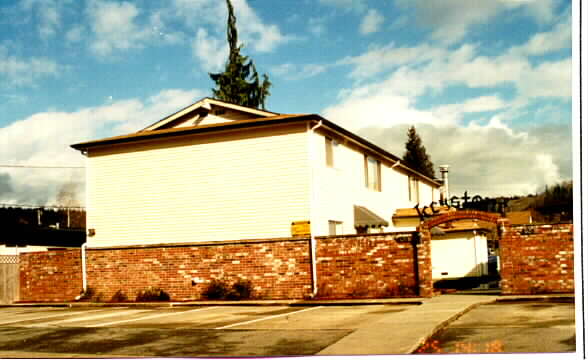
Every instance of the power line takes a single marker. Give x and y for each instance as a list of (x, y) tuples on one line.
[(41, 166)]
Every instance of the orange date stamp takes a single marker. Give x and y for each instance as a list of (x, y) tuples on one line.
[(462, 347)]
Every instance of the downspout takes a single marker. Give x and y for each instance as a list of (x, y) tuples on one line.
[(85, 244), (312, 199), (84, 275)]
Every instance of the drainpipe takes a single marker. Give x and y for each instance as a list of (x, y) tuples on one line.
[(312, 199), (84, 275)]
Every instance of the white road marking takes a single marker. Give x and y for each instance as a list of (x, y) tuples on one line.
[(128, 312), (151, 317), (47, 317), (266, 318)]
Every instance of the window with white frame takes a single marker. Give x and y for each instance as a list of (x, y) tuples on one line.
[(373, 174), (413, 189), (335, 227)]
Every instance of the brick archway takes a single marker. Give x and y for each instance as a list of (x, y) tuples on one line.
[(425, 232), (461, 215)]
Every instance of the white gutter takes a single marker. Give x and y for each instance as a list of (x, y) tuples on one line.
[(312, 156)]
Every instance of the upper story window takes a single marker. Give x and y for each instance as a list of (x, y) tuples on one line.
[(373, 173), (330, 151), (413, 189)]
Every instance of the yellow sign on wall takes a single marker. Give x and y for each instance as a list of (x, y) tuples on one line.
[(300, 228)]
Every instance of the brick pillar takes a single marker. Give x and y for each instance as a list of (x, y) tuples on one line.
[(425, 264)]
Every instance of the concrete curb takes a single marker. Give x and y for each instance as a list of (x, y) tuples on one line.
[(505, 298), (351, 302), (442, 325)]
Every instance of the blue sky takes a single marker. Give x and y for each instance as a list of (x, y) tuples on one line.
[(486, 83)]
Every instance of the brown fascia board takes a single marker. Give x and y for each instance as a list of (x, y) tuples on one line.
[(171, 132), (274, 120)]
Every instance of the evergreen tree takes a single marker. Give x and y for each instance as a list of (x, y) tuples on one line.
[(239, 83), (416, 156)]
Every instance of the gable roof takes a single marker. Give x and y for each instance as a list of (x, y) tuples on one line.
[(256, 118), (206, 105)]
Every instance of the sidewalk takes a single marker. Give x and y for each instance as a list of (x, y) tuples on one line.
[(404, 332)]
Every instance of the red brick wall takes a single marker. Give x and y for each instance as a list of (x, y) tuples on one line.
[(50, 276), (537, 259), (373, 265), (278, 269)]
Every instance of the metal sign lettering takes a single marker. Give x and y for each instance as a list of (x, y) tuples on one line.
[(463, 203)]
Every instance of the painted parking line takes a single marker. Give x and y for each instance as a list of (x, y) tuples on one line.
[(48, 317), (266, 318), (93, 317), (150, 317)]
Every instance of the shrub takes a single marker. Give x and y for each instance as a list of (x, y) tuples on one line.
[(219, 289), (152, 294), (119, 296), (242, 289)]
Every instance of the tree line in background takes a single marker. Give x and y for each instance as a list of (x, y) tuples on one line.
[(62, 218)]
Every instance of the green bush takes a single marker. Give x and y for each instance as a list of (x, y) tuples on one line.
[(152, 294), (219, 289), (119, 296), (242, 289)]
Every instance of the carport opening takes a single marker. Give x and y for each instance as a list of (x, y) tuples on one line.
[(465, 252)]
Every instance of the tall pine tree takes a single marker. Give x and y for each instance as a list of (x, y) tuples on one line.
[(416, 155), (239, 83)]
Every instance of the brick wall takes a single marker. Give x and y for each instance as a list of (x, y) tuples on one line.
[(371, 265), (277, 268), (50, 276), (537, 259)]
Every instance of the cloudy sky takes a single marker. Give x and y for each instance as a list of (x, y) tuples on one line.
[(486, 83)]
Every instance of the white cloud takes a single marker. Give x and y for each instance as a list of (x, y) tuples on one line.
[(45, 139), (211, 51), (75, 34), (317, 25), (297, 72), (48, 14), (413, 71), (355, 5), (382, 58), (25, 72), (210, 29), (371, 22), (560, 37), (450, 20), (118, 26), (552, 79), (114, 27), (488, 160)]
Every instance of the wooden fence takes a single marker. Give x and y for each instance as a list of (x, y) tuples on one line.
[(9, 279)]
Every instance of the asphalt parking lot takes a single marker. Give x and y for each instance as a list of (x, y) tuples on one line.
[(180, 331), (509, 327)]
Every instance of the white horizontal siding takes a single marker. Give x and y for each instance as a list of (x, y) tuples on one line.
[(244, 185), (342, 186)]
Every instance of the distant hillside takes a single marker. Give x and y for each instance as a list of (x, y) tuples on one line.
[(555, 203)]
